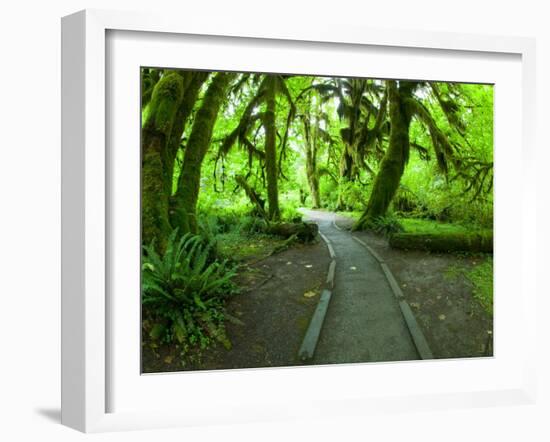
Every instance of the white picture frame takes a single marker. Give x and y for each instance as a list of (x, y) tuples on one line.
[(86, 357)]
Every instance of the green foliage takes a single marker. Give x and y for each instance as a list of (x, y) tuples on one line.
[(353, 195), (184, 290), (291, 213), (481, 277), (386, 225), (224, 221), (412, 225)]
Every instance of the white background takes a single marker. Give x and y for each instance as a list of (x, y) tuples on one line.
[(30, 219)]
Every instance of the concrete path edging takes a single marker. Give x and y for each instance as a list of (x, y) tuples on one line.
[(307, 349), (309, 343), (417, 336)]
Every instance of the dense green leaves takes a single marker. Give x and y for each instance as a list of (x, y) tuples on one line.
[(184, 286)]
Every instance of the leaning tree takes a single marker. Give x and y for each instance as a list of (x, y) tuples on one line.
[(184, 205), (407, 101)]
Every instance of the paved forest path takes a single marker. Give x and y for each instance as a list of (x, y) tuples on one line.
[(364, 322)]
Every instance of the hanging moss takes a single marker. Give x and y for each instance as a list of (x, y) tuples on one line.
[(392, 166), (311, 138)]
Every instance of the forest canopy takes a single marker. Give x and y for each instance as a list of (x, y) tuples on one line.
[(268, 143)]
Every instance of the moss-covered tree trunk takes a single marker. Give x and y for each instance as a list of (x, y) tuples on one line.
[(392, 165), (156, 131), (311, 138), (185, 199), (313, 179), (192, 84), (345, 175), (271, 150)]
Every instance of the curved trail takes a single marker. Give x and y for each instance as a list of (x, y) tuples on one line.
[(364, 322)]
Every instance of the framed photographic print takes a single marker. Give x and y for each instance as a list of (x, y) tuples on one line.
[(289, 222)]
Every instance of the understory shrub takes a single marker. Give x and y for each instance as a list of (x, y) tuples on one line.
[(387, 225), (183, 291)]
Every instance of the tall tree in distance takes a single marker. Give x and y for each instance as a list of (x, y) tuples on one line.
[(312, 117), (272, 172)]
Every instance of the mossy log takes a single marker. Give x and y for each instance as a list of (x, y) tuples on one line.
[(305, 232), (444, 242)]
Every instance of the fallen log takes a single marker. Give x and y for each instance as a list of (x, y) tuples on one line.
[(305, 232), (444, 242)]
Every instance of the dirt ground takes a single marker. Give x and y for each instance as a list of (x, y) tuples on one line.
[(453, 322), (268, 318), (266, 322)]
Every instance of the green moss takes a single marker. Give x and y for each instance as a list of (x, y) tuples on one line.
[(392, 166), (164, 104), (184, 216), (160, 114), (481, 276), (155, 225), (444, 242), (242, 247), (416, 225)]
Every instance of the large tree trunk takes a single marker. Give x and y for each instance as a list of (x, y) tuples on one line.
[(185, 199), (192, 82), (156, 131), (313, 180), (271, 151), (393, 164)]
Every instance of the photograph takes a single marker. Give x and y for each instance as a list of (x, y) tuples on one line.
[(304, 220)]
